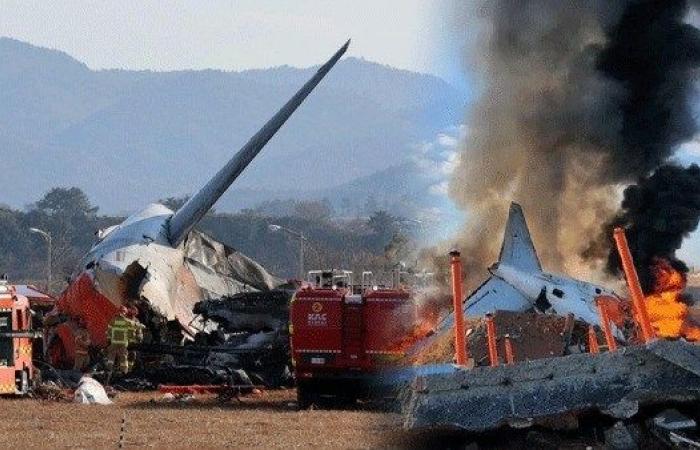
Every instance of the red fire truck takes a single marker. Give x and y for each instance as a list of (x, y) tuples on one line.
[(343, 335), (16, 370)]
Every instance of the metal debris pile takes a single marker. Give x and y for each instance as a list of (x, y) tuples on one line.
[(244, 341), (531, 336), (52, 391)]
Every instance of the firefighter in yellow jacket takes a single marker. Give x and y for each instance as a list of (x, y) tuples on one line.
[(122, 331)]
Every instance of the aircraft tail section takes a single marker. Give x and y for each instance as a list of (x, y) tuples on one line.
[(517, 249), (197, 206)]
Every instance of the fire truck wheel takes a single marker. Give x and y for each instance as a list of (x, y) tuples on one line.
[(307, 394), (346, 400), (23, 382)]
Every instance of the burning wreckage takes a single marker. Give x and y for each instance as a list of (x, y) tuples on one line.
[(581, 359), (565, 120), (186, 287), (244, 340)]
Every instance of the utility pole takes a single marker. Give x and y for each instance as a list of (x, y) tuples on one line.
[(47, 237)]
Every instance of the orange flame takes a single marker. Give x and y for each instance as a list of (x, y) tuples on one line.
[(667, 311), (426, 321)]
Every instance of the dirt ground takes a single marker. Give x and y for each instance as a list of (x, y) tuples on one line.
[(267, 421)]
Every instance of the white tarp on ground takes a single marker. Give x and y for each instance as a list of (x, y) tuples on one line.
[(91, 392)]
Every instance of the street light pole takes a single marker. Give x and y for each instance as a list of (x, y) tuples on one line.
[(301, 257), (299, 235), (47, 237)]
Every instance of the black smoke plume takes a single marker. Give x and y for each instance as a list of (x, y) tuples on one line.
[(657, 213), (581, 97), (652, 53)]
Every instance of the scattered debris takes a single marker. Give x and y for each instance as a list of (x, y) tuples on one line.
[(182, 397), (672, 420), (248, 332), (675, 429), (134, 384), (49, 390), (623, 436), (224, 391), (249, 311)]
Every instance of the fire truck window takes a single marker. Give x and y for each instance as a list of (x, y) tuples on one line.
[(20, 320), (6, 354)]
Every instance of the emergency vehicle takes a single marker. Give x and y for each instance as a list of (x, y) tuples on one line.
[(16, 335), (343, 335)]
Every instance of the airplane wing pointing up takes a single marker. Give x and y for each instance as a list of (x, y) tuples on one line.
[(517, 250), (494, 294), (196, 207)]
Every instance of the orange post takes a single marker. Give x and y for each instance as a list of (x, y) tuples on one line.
[(491, 335), (592, 340), (460, 344), (640, 307), (510, 356), (605, 325)]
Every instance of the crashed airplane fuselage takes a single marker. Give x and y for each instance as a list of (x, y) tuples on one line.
[(135, 260), (155, 260), (518, 283)]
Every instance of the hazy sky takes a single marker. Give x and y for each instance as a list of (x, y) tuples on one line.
[(236, 34), (419, 35)]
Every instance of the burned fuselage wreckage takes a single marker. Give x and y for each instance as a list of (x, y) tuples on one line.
[(518, 284), (570, 365), (156, 262)]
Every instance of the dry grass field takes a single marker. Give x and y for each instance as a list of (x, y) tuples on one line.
[(267, 421)]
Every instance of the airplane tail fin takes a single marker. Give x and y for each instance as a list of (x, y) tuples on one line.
[(517, 249), (197, 206)]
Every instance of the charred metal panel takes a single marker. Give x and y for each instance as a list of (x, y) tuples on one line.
[(222, 271), (253, 312)]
